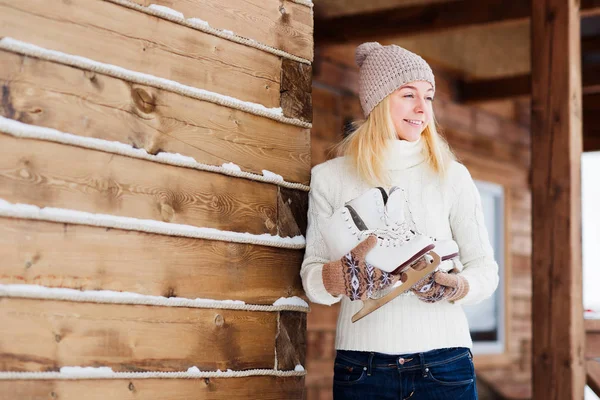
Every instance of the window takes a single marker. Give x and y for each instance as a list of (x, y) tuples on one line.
[(487, 319)]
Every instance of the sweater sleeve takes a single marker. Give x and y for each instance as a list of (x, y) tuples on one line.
[(470, 233), (316, 253)]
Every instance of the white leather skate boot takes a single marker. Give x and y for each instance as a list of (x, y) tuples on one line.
[(364, 216), (447, 249)]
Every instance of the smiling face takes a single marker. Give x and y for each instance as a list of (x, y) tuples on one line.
[(411, 109)]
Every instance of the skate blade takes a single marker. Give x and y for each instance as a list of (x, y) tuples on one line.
[(413, 277)]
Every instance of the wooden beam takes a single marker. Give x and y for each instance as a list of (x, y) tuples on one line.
[(426, 19), (557, 324), (83, 257), (43, 335), (146, 44), (62, 97), (516, 86)]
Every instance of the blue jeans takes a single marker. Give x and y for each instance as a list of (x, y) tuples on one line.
[(445, 374)]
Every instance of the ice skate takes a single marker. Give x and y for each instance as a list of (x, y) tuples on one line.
[(398, 251), (395, 219), (364, 216)]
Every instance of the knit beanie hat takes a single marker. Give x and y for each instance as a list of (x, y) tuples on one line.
[(383, 69)]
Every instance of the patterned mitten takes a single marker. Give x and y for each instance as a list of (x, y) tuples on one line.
[(441, 285), (354, 277)]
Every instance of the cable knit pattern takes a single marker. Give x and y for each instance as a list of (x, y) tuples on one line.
[(443, 209)]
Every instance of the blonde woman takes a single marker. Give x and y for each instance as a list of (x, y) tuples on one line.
[(417, 346)]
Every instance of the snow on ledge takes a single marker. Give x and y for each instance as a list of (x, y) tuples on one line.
[(78, 373), (32, 50), (62, 215), (113, 297)]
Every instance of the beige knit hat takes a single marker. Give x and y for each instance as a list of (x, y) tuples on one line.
[(384, 69)]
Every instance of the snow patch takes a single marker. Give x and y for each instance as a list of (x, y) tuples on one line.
[(272, 175), (144, 225), (193, 370), (228, 32), (291, 301), (78, 372), (231, 166), (166, 10), (299, 368), (198, 21)]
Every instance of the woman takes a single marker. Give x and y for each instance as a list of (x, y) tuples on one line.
[(418, 345)]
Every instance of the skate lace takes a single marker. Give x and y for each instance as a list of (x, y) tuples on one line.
[(397, 233)]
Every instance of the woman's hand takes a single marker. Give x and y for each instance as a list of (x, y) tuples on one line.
[(354, 277), (441, 286)]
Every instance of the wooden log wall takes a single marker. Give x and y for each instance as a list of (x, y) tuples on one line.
[(493, 141), (267, 60)]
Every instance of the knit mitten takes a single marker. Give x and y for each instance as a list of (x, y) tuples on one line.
[(354, 277), (441, 286)]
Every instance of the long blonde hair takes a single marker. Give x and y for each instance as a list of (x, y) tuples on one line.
[(366, 146)]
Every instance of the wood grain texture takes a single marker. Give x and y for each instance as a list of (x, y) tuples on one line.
[(296, 98), (281, 24), (146, 44), (558, 332), (292, 212), (43, 335), (57, 96), (47, 174), (91, 258), (255, 387), (291, 340)]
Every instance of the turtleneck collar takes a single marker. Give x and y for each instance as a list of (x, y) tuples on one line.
[(402, 154)]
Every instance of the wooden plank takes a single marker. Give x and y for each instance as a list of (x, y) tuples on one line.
[(43, 335), (56, 96), (47, 174), (83, 257), (146, 44), (558, 363), (254, 387), (516, 86), (296, 87), (292, 206), (402, 20), (291, 340), (281, 24)]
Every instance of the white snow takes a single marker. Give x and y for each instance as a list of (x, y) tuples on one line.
[(166, 10), (231, 166), (144, 225), (113, 297), (78, 372), (137, 77), (299, 368), (174, 158), (273, 175), (291, 301), (228, 32), (198, 21)]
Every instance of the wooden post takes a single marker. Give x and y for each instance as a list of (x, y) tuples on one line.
[(558, 333)]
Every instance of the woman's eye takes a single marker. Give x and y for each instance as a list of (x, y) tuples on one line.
[(430, 98), (409, 95)]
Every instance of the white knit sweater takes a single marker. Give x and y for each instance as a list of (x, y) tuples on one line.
[(442, 209)]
